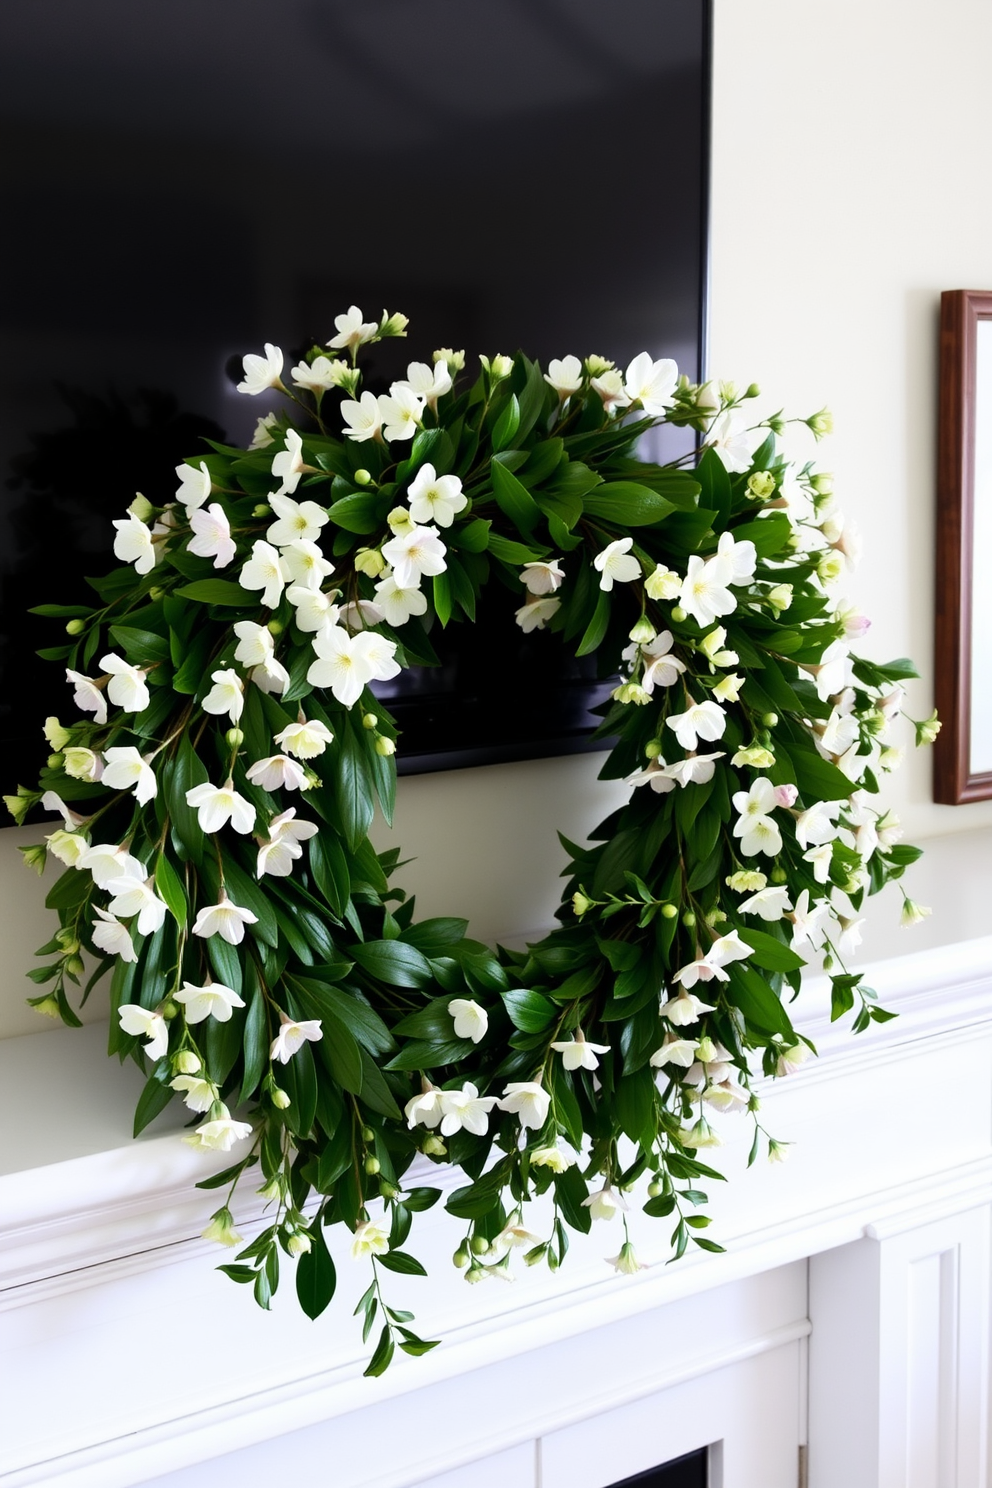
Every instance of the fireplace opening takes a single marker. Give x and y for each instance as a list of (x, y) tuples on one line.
[(682, 1472)]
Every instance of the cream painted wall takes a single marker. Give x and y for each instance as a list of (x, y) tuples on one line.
[(849, 161)]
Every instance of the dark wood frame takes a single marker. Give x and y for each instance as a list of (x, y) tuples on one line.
[(953, 781)]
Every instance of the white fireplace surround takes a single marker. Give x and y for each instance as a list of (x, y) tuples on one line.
[(849, 1314)]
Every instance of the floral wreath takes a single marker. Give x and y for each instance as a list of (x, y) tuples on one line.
[(218, 793)]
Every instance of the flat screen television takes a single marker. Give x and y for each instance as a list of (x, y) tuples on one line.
[(184, 183)]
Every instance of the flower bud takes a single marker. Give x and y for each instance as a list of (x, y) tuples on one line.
[(370, 561), (780, 598), (221, 1228), (372, 1164), (275, 627), (654, 1188), (271, 1190), (455, 359), (581, 905), (822, 483), (362, 477), (652, 749), (141, 507), (261, 510), (479, 1244), (778, 876), (74, 966), (820, 423), (47, 1006), (631, 692), (370, 720), (75, 627), (729, 392), (279, 1098), (170, 1010), (474, 1274), (384, 746), (753, 390), (186, 1062), (433, 1146), (913, 913), (535, 1254), (35, 857), (769, 719), (927, 731), (400, 519), (235, 738), (643, 632), (388, 1191), (689, 919), (500, 367), (678, 614), (776, 423), (55, 761), (393, 325), (299, 1243), (461, 1258), (669, 911), (368, 1135), (760, 485), (57, 736)]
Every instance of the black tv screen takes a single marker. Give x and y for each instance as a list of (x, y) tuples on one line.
[(186, 182)]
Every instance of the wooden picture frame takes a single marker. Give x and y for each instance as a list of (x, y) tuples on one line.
[(963, 636)]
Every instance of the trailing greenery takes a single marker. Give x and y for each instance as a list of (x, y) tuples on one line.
[(219, 786)]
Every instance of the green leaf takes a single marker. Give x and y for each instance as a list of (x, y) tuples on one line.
[(141, 647), (507, 424), (529, 1011), (627, 504), (769, 952), (316, 1277), (256, 1040), (513, 498), (818, 779), (357, 513), (393, 962), (756, 1000), (152, 1101), (434, 937), (383, 1356), (218, 592), (596, 629), (181, 774), (329, 867), (355, 795), (169, 888), (399, 1261), (443, 597)]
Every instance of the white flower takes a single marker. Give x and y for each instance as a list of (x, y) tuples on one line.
[(141, 1023), (605, 1203), (662, 668), (651, 383), (255, 643), (262, 372), (734, 443), (352, 332), (817, 824), (555, 1158), (306, 564), (626, 1262), (226, 696), (216, 805), (578, 1053), (656, 774), (197, 1093), (536, 613), (292, 1036), (52, 801), (194, 485), (401, 410), (127, 686), (435, 498), (664, 583), (220, 1134), (305, 739), (68, 847), (791, 1059), (738, 557), (106, 861), (345, 663), (211, 1001), (616, 564), (705, 720), (125, 768), (529, 1101), (542, 578), (806, 918), (361, 614), (322, 373), (277, 770), (112, 937), (399, 603), (674, 1050), (609, 386), (413, 553), (262, 437), (82, 764), (87, 695), (362, 417), (225, 919), (370, 1238), (299, 521), (471, 1020), (430, 382), (769, 904), (695, 769), (820, 858), (278, 854), (564, 375), (314, 610), (704, 594), (913, 913), (755, 826), (834, 671), (850, 935), (133, 544), (213, 535), (465, 1110), (889, 829), (424, 1109), (271, 676), (686, 1008), (134, 897), (265, 570)]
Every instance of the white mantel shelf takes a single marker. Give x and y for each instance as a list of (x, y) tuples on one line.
[(99, 1237)]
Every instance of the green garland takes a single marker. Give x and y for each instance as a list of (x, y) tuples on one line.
[(220, 784)]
